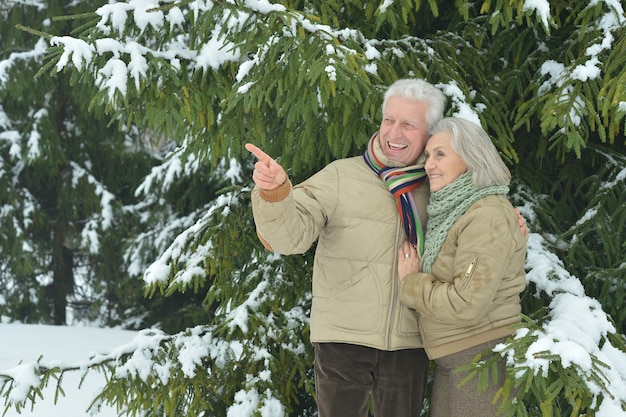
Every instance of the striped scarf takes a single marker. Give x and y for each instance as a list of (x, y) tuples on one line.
[(401, 181)]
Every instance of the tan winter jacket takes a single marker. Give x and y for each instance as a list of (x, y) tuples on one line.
[(354, 218), (472, 295)]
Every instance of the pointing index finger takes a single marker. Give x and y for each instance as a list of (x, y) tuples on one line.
[(256, 151)]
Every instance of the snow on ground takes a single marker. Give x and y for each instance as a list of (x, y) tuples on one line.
[(21, 342)]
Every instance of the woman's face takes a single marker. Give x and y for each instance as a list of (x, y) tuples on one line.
[(443, 164)]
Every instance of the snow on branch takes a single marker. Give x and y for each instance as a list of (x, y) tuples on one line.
[(146, 370), (80, 51), (37, 53), (576, 334), (179, 251), (142, 358), (130, 34), (101, 220), (560, 75)]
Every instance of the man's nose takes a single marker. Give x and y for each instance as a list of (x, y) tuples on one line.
[(395, 130)]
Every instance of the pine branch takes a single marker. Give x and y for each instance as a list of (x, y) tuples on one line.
[(34, 31)]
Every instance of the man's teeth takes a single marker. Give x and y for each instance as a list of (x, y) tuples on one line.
[(396, 145)]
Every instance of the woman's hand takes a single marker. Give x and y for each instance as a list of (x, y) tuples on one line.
[(408, 260), (521, 223)]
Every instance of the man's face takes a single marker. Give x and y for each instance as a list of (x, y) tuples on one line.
[(403, 130)]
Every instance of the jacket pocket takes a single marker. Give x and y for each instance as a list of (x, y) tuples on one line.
[(350, 301), (408, 321), (470, 268)]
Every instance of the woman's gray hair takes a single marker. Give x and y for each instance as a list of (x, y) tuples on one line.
[(419, 90), (475, 148)]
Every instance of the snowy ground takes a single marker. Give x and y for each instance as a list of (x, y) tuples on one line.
[(26, 343)]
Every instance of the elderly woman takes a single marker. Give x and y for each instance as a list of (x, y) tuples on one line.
[(467, 287)]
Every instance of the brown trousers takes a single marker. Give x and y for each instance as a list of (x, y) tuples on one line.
[(450, 400), (348, 376)]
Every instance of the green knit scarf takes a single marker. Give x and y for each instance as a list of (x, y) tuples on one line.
[(445, 208)]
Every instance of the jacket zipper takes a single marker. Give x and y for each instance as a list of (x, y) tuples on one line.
[(394, 290), (471, 266)]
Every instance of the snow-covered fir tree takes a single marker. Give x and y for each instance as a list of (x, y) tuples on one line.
[(72, 207), (304, 80), (66, 174)]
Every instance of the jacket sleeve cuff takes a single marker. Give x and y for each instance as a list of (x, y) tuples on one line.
[(277, 194), (412, 288)]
